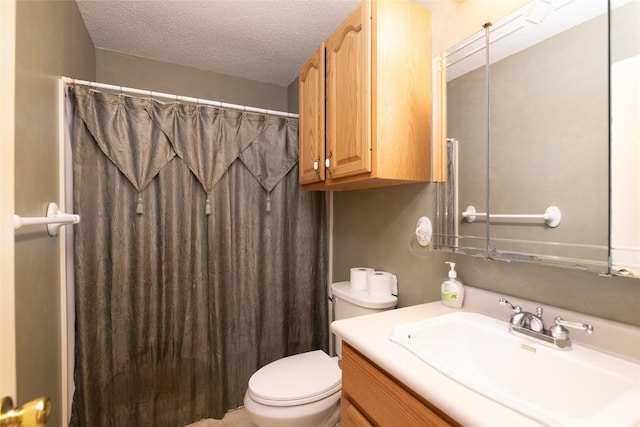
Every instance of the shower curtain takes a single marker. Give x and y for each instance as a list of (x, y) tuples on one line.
[(198, 259)]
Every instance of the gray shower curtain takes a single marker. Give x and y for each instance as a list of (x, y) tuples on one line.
[(198, 259)]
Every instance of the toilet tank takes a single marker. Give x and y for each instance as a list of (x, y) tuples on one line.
[(349, 302)]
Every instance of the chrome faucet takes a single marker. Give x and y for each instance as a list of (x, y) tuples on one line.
[(532, 326)]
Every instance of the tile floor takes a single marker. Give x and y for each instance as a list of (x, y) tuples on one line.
[(236, 418)]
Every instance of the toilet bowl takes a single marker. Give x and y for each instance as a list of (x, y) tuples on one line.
[(288, 393), (304, 390)]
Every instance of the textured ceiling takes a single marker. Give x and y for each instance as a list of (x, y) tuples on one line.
[(263, 40)]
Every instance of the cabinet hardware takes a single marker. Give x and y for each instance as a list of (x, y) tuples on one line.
[(327, 163)]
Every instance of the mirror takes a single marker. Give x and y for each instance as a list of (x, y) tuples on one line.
[(625, 138), (548, 141), (466, 148), (544, 100)]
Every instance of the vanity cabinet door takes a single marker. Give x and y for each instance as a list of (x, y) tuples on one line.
[(380, 399), (311, 124), (348, 127), (350, 415)]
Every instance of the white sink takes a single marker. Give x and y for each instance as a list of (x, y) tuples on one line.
[(580, 387)]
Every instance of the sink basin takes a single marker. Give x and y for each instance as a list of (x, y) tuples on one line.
[(581, 387)]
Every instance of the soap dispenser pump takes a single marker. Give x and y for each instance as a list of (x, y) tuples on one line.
[(452, 290)]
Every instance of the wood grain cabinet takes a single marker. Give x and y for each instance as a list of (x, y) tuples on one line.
[(372, 398), (365, 101), (311, 123)]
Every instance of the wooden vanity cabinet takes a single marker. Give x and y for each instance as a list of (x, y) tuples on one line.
[(375, 102), (370, 397)]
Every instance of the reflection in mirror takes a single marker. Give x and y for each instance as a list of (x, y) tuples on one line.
[(466, 130), (549, 133), (625, 137), (547, 127)]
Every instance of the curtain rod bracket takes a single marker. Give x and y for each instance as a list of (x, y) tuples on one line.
[(54, 219)]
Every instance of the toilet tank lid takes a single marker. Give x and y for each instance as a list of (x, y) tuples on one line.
[(298, 379), (361, 297)]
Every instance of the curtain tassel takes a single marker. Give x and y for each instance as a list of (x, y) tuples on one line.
[(207, 207), (268, 202), (139, 206)]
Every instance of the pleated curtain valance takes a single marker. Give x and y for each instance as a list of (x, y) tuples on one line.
[(141, 136)]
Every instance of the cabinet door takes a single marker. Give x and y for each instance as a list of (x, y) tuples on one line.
[(311, 124), (350, 416), (348, 104), (379, 398)]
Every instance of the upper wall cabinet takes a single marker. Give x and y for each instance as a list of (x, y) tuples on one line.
[(367, 122), (311, 124)]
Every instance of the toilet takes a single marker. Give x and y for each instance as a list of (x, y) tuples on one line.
[(304, 390)]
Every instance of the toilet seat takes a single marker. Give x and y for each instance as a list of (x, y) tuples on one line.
[(296, 380)]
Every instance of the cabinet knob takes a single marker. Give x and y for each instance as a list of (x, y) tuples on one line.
[(327, 163), (316, 166)]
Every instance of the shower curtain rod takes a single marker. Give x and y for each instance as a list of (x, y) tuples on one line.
[(154, 94)]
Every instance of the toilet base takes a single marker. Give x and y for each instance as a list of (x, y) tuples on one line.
[(324, 413)]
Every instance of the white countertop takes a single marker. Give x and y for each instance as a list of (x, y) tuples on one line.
[(370, 336)]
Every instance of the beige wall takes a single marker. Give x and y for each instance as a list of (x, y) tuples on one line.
[(372, 228), (625, 37), (292, 97), (132, 71), (51, 40), (7, 125), (453, 21)]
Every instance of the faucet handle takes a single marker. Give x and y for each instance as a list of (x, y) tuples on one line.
[(503, 301), (559, 330)]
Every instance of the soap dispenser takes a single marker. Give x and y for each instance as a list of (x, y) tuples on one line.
[(452, 290)]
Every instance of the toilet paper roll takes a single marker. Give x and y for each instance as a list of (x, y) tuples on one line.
[(359, 277), (382, 283)]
